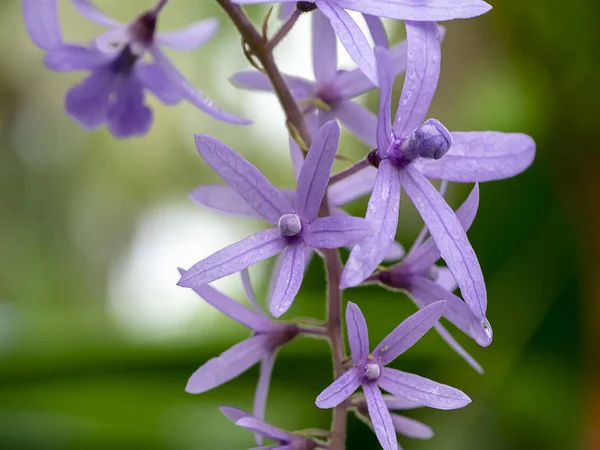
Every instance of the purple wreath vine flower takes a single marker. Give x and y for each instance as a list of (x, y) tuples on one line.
[(369, 371), (297, 225), (352, 37), (114, 91), (411, 151)]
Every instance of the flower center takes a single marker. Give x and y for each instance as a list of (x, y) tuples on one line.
[(373, 371), (124, 62), (289, 225), (328, 94), (142, 29), (431, 141)]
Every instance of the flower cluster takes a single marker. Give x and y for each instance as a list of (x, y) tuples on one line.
[(404, 152)]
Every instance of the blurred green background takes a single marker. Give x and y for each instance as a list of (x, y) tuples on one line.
[(97, 342)]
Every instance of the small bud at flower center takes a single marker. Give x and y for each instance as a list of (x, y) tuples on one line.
[(289, 225), (431, 140), (373, 371)]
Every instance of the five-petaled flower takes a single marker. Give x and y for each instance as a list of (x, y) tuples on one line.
[(113, 93), (297, 225), (410, 151), (369, 371)]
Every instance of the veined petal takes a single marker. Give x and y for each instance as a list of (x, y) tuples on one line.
[(88, 10), (233, 414), (314, 175), (411, 428), (229, 365), (190, 37), (324, 48), (297, 156), (244, 178), (235, 257), (422, 74), (41, 21), (421, 390), (351, 37), (395, 403), (223, 198), (262, 390), (408, 332), (191, 93), (87, 101), (428, 10), (449, 237), (380, 417), (377, 31), (249, 290), (339, 390), (359, 120), (382, 212), (386, 79), (69, 58), (267, 430), (482, 156), (445, 279), (460, 351), (337, 231), (154, 78), (352, 188), (358, 334), (257, 81), (289, 279), (127, 114)]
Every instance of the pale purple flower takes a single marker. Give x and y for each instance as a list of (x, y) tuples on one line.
[(297, 225), (114, 92), (369, 371), (268, 337), (426, 283), (410, 151), (354, 40), (284, 439)]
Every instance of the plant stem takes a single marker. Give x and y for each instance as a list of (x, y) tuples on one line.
[(284, 30), (349, 171)]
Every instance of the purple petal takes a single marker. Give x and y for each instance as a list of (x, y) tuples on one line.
[(286, 10), (223, 198), (244, 178), (324, 48), (395, 252), (450, 238), (190, 37), (386, 79), (380, 417), (352, 188), (154, 78), (337, 231), (297, 157), (446, 336), (87, 102), (482, 156), (422, 74), (233, 414), (41, 21), (235, 257), (394, 403), (88, 10), (249, 290), (262, 390), (382, 212), (408, 332), (411, 428), (421, 390), (257, 81), (191, 93), (289, 279), (359, 120), (265, 429), (339, 390), (229, 365), (314, 175), (377, 30), (69, 58), (429, 10), (358, 334), (128, 115), (445, 279), (351, 37)]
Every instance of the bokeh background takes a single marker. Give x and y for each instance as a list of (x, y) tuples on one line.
[(97, 342)]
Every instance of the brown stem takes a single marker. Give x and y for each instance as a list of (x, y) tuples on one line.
[(349, 171), (284, 30)]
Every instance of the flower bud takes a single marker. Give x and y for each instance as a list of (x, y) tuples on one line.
[(289, 225), (431, 140), (373, 371)]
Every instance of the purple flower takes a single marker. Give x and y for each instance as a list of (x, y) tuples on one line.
[(268, 336), (356, 43), (403, 425), (285, 440), (296, 224), (370, 372), (114, 92), (405, 156), (427, 283)]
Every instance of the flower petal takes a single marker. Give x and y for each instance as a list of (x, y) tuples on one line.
[(289, 279), (352, 188), (359, 120), (446, 336), (358, 334), (386, 79), (337, 231), (249, 290), (191, 93), (154, 78), (382, 212), (87, 101), (223, 198), (411, 428), (394, 403), (422, 74), (380, 417), (229, 365), (128, 115), (449, 237), (408, 332), (351, 37), (377, 30), (235, 257), (482, 156), (262, 390), (244, 178), (339, 390), (445, 279), (69, 58), (258, 81), (265, 429), (418, 9), (41, 21), (233, 414), (324, 48), (88, 10), (421, 390), (314, 175), (286, 10), (190, 37)]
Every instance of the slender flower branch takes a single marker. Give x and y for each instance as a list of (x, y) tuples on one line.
[(284, 30), (349, 171)]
